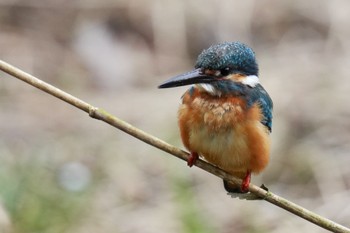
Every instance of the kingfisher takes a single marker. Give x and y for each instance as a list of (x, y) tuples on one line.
[(226, 115)]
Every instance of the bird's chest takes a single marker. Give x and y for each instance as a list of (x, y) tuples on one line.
[(217, 116), (217, 128), (224, 131)]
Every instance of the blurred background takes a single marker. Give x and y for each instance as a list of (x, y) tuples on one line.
[(61, 171)]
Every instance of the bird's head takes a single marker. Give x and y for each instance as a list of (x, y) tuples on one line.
[(220, 69)]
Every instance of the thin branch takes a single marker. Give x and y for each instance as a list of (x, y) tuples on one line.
[(154, 141)]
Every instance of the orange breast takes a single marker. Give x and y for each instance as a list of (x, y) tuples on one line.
[(224, 132)]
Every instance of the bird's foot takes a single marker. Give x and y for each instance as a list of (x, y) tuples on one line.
[(192, 159), (246, 182)]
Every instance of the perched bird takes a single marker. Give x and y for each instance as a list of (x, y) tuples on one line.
[(226, 116)]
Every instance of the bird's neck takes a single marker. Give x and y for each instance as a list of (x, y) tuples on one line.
[(232, 85), (223, 89)]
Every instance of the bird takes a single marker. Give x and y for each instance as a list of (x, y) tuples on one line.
[(226, 115)]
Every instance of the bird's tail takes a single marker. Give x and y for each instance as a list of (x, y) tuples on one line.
[(234, 188)]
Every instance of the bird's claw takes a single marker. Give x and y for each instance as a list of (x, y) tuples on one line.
[(192, 159)]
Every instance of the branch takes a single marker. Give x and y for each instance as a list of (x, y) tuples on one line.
[(100, 114)]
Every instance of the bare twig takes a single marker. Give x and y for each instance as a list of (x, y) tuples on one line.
[(143, 136)]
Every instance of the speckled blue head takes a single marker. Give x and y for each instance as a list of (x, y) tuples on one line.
[(217, 62), (234, 57)]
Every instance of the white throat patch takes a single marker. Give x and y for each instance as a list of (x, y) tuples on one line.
[(210, 89), (251, 80)]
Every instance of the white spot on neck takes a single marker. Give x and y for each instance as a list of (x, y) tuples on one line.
[(209, 89), (251, 80)]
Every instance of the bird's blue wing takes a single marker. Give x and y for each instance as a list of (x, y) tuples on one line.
[(260, 96)]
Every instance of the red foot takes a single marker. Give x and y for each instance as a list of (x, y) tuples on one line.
[(246, 182), (192, 159)]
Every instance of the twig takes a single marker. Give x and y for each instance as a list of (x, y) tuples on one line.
[(154, 141)]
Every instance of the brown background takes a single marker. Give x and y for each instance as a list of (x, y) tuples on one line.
[(61, 171)]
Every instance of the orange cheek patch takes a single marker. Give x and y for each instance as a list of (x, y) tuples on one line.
[(212, 72), (236, 77)]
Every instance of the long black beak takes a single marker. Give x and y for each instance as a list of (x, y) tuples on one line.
[(192, 77)]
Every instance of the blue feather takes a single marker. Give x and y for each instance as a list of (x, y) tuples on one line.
[(260, 96)]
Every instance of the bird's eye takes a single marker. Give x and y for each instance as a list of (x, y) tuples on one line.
[(225, 71)]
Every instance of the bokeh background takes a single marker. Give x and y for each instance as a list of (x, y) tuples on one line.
[(61, 171)]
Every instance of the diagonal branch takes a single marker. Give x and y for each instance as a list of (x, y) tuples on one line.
[(154, 141)]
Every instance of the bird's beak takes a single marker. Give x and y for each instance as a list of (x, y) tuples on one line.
[(192, 77)]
